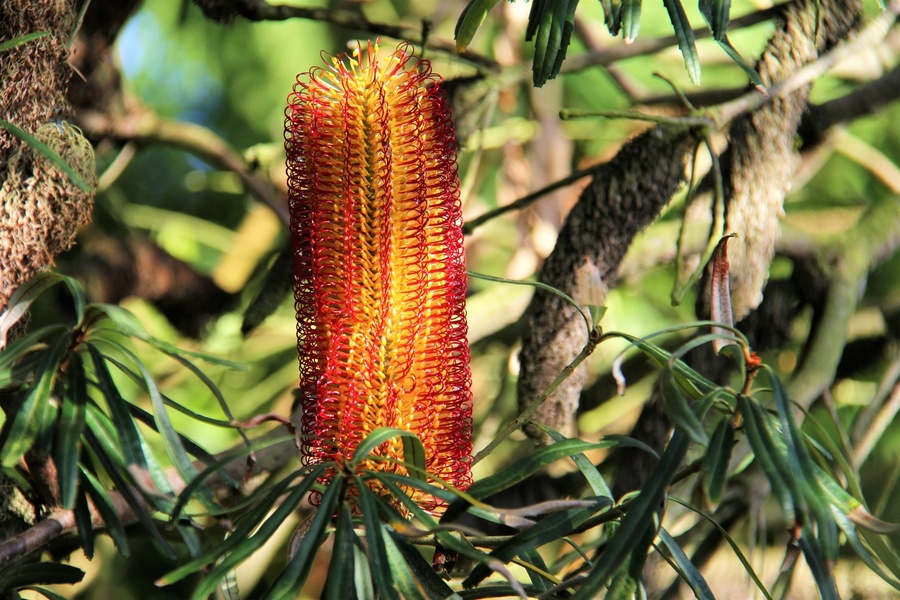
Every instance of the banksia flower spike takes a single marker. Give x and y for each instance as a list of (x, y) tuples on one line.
[(379, 273)]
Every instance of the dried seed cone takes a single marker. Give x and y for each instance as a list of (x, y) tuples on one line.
[(379, 273), (40, 207)]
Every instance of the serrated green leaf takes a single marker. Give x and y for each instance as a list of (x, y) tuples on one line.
[(688, 571), (716, 14), (69, 428), (470, 20), (19, 435), (631, 19), (22, 39), (637, 521), (48, 153), (717, 459), (341, 575), (292, 578), (685, 36)]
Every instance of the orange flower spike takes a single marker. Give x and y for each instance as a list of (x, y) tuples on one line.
[(379, 270)]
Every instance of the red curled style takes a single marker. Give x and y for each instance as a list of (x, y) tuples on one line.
[(378, 264)]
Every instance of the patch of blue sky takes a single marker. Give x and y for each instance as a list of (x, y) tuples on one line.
[(169, 79)]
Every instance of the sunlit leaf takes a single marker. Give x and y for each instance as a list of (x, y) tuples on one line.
[(550, 528), (240, 543), (104, 505), (22, 39), (591, 474), (685, 36), (631, 19), (522, 469), (680, 411), (470, 20)]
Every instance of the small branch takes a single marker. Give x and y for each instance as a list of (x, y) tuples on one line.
[(523, 417), (258, 10), (146, 127), (525, 201), (848, 258), (870, 37)]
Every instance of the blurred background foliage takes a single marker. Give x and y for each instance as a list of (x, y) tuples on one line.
[(234, 79)]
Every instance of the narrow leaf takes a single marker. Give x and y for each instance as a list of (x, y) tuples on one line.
[(470, 20), (687, 569), (48, 153), (107, 510), (631, 19), (378, 559), (69, 428), (685, 36), (680, 411), (341, 575), (717, 459), (22, 39), (292, 578), (639, 518)]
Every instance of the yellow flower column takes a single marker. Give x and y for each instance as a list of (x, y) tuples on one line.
[(378, 264)]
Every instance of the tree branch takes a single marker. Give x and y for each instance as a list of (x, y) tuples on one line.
[(146, 127)]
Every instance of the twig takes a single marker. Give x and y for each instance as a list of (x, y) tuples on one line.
[(848, 258), (146, 127), (255, 10), (870, 37), (523, 417), (524, 201)]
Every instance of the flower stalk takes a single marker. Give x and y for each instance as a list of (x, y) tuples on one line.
[(378, 264)]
